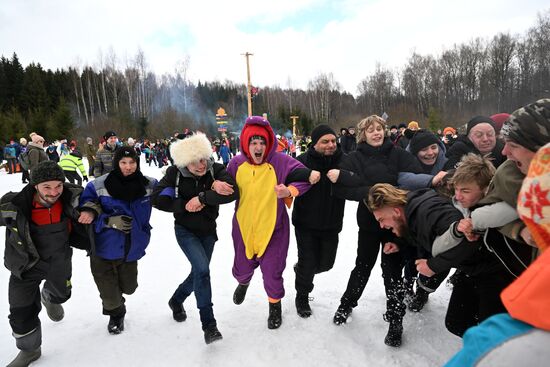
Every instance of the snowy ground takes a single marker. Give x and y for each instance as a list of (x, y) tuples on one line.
[(152, 337)]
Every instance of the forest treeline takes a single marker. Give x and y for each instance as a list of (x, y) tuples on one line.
[(481, 76)]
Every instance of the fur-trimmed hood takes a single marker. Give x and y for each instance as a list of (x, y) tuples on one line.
[(191, 149)]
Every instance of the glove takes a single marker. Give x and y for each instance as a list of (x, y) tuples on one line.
[(121, 222), (85, 178)]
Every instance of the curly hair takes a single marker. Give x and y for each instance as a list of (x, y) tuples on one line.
[(365, 123)]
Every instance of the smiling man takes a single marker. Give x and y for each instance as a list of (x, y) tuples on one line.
[(39, 222)]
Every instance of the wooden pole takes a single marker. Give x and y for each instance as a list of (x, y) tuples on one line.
[(248, 85), (294, 118)]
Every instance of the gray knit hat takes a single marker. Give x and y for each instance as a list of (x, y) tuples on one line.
[(46, 171), (529, 126)]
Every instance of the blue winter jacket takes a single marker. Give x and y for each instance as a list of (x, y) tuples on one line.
[(109, 242)]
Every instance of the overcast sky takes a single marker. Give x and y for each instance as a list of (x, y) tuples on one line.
[(292, 40)]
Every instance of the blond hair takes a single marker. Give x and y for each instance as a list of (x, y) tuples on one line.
[(365, 123), (474, 168), (383, 194)]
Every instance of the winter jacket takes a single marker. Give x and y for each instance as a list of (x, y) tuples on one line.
[(110, 243), (104, 161), (318, 209), (9, 152), (36, 155), (21, 254), (463, 146), (428, 216), (90, 154), (71, 162), (178, 186), (367, 166)]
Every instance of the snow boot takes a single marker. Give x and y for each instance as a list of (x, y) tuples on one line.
[(302, 305), (395, 331), (408, 289), (25, 357), (178, 312), (419, 300), (55, 311), (342, 314), (240, 293), (212, 334), (275, 318), (116, 324)]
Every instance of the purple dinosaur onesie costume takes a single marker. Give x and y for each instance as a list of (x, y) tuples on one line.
[(261, 224)]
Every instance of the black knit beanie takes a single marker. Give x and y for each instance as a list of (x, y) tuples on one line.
[(47, 171), (124, 152), (529, 126), (421, 140), (319, 131), (479, 120)]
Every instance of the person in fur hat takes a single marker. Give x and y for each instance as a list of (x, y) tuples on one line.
[(267, 180), (120, 208), (193, 189)]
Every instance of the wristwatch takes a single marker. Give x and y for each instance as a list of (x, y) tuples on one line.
[(202, 198)]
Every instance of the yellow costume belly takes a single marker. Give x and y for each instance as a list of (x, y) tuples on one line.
[(257, 212)]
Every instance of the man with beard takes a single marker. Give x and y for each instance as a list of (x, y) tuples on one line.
[(40, 222), (104, 157), (317, 215)]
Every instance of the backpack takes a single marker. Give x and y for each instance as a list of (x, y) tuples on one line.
[(24, 160)]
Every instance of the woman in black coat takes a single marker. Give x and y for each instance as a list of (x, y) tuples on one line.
[(376, 160)]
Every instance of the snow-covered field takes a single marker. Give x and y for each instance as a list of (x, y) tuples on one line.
[(153, 338)]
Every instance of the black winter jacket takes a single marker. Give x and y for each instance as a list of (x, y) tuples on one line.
[(429, 216), (318, 209), (171, 197), (367, 166), (21, 253)]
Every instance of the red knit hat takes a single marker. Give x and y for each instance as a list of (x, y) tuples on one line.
[(251, 131)]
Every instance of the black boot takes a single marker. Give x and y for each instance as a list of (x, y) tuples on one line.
[(419, 300), (178, 312), (395, 331), (116, 324), (302, 305), (342, 314), (275, 318), (55, 311), (240, 293), (25, 357), (408, 289), (212, 334)]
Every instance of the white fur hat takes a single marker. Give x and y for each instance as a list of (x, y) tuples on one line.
[(191, 149)]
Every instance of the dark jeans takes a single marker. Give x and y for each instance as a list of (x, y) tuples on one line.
[(198, 250), (73, 177), (316, 254), (114, 278), (369, 243), (12, 165), (24, 294), (474, 299), (25, 178)]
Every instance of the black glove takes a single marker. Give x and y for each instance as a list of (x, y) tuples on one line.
[(121, 222), (85, 178)]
